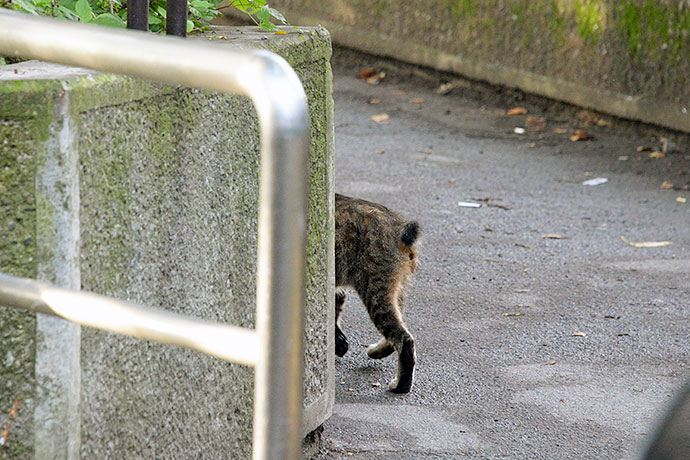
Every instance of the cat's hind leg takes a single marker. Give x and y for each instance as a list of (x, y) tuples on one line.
[(385, 314), (341, 345)]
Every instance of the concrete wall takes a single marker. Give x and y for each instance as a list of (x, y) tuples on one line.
[(149, 193), (629, 58)]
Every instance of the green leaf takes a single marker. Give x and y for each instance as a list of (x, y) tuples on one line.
[(66, 13), (110, 20), (248, 6), (268, 25), (84, 11), (153, 19), (278, 15), (263, 14), (200, 4), (190, 25), (25, 5), (162, 12)]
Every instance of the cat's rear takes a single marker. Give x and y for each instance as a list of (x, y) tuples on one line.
[(375, 253)]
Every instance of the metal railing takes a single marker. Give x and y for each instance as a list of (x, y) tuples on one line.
[(175, 16), (275, 347)]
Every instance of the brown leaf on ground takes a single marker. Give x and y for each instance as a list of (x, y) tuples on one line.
[(372, 76), (550, 363), (644, 148), (579, 334), (657, 154), (517, 111), (552, 236), (666, 185), (374, 100), (368, 73), (560, 131), (580, 135), (417, 100), (380, 117), (376, 79)]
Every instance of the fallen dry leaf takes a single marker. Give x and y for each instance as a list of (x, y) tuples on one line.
[(552, 236), (379, 151), (517, 111), (579, 334), (644, 148), (580, 135), (513, 314), (398, 92), (550, 363), (380, 117), (280, 32), (417, 100), (376, 79), (681, 199), (368, 73), (376, 384), (666, 185), (657, 154), (647, 244), (374, 100), (560, 131)]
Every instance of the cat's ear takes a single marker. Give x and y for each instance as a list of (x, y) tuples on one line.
[(410, 233)]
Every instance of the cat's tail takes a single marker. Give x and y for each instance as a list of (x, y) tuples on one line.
[(410, 233)]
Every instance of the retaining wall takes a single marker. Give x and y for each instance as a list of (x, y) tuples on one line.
[(628, 58), (149, 193)]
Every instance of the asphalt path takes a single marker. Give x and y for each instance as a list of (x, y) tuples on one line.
[(542, 332)]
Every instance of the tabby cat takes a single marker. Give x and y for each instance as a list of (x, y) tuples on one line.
[(375, 254)]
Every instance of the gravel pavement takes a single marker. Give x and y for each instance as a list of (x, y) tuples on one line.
[(541, 333)]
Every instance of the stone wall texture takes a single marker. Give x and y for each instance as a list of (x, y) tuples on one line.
[(629, 58), (149, 193)]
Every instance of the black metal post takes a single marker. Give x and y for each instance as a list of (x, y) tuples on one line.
[(176, 18), (138, 14)]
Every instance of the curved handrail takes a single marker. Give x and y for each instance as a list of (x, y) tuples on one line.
[(281, 107)]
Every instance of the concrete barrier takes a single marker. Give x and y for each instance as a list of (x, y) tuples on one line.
[(627, 58), (147, 192)]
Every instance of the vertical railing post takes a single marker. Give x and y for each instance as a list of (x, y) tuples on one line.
[(138, 14), (176, 18)]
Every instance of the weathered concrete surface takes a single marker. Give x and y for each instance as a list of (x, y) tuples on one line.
[(148, 193), (627, 58), (495, 305)]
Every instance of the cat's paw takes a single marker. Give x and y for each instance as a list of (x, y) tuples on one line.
[(380, 350), (396, 387), (341, 345)]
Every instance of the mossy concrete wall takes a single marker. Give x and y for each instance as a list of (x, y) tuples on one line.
[(147, 192), (629, 58)]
